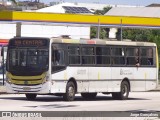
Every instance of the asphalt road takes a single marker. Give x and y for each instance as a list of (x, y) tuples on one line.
[(138, 102)]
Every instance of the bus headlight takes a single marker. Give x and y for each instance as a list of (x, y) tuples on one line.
[(46, 79), (8, 80)]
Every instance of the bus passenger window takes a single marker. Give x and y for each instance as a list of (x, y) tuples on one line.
[(132, 55), (88, 55), (147, 56), (150, 56), (118, 56), (58, 57), (74, 55), (137, 57), (103, 55), (150, 61)]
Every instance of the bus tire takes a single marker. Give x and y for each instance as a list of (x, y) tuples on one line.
[(31, 96), (89, 95), (123, 94), (70, 92)]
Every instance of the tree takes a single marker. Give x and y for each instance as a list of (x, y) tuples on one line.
[(102, 12), (103, 31), (14, 1), (137, 34), (146, 35)]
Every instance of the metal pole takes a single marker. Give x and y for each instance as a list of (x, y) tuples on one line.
[(18, 29), (121, 30), (3, 63), (98, 29)]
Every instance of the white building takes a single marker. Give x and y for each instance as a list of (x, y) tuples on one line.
[(6, 3), (8, 30), (93, 6), (136, 12), (50, 30)]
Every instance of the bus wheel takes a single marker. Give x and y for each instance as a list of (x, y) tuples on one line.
[(89, 95), (123, 94), (70, 92), (31, 96)]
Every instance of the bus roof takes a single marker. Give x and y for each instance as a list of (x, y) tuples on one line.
[(102, 42), (93, 41)]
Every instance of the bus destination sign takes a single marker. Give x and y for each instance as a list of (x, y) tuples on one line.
[(29, 42)]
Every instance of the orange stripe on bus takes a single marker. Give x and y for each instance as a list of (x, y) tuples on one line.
[(4, 40), (91, 41)]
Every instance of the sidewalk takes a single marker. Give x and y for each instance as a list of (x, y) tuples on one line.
[(3, 89)]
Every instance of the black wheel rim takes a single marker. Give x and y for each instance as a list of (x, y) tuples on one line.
[(71, 91), (124, 90)]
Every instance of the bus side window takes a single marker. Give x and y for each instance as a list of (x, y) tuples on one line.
[(150, 56), (117, 54), (74, 55), (88, 56), (147, 56), (58, 58), (55, 56), (132, 56), (103, 55), (136, 57)]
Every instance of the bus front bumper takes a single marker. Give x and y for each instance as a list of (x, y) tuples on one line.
[(37, 89)]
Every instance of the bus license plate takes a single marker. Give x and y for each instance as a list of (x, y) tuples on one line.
[(26, 88)]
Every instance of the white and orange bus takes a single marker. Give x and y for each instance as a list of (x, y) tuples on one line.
[(66, 67)]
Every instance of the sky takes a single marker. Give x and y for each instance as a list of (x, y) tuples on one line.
[(124, 2)]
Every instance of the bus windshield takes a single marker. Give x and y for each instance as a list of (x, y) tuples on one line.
[(34, 60)]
